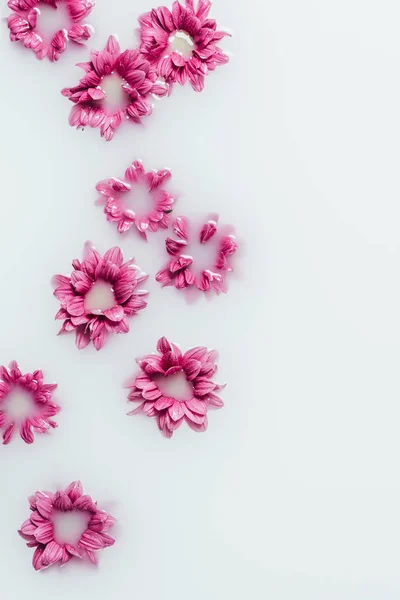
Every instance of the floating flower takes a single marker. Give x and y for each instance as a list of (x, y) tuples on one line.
[(180, 271), (24, 26), (116, 86), (25, 403), (99, 295), (176, 388), (182, 42), (40, 531), (159, 202)]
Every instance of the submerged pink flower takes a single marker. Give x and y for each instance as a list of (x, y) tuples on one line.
[(40, 532), (99, 295), (180, 271), (24, 26), (25, 403), (176, 388), (115, 194), (116, 86), (182, 42)]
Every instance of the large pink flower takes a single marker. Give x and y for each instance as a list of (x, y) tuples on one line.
[(182, 42), (26, 403), (181, 269), (99, 295), (24, 26), (114, 197), (109, 73), (176, 388), (40, 533)]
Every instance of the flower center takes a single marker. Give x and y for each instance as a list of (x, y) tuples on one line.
[(181, 43), (50, 19), (99, 298), (116, 98), (69, 526), (175, 386), (19, 404)]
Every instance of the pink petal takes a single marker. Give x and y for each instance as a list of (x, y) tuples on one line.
[(197, 406), (116, 313), (192, 368), (176, 411), (52, 553), (74, 490), (45, 533), (26, 432), (8, 434), (37, 558), (163, 403), (62, 501)]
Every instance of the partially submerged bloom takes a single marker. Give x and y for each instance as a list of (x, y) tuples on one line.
[(40, 530), (137, 183), (26, 403), (99, 296), (24, 26), (182, 42), (176, 388), (117, 86)]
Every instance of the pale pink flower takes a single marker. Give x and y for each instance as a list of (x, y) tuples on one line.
[(182, 42), (37, 395), (136, 81), (99, 295), (24, 26), (114, 193), (181, 269), (197, 366), (39, 531)]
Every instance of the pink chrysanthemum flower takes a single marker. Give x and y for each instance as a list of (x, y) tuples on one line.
[(176, 388), (181, 269), (143, 186), (41, 530), (25, 403), (116, 86), (182, 42), (99, 295), (24, 26)]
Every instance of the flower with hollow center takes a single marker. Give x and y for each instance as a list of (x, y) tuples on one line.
[(46, 531), (176, 388), (99, 295), (182, 42), (115, 194), (24, 26), (25, 403)]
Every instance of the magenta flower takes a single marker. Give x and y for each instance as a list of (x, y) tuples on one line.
[(176, 388), (115, 193), (99, 295), (116, 86), (180, 271), (40, 531), (182, 42), (24, 26), (25, 403)]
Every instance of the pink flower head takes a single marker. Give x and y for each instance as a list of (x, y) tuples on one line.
[(115, 194), (180, 270), (182, 42), (24, 26), (40, 531), (25, 402), (99, 295), (176, 388), (111, 73)]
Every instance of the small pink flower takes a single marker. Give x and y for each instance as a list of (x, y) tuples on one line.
[(35, 403), (24, 26), (39, 530), (182, 42), (180, 271), (190, 401), (114, 193), (130, 76), (99, 295)]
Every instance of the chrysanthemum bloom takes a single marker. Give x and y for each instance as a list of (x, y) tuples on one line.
[(181, 270), (44, 529), (116, 86), (176, 388), (150, 206), (25, 403), (182, 42), (24, 25), (99, 295)]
